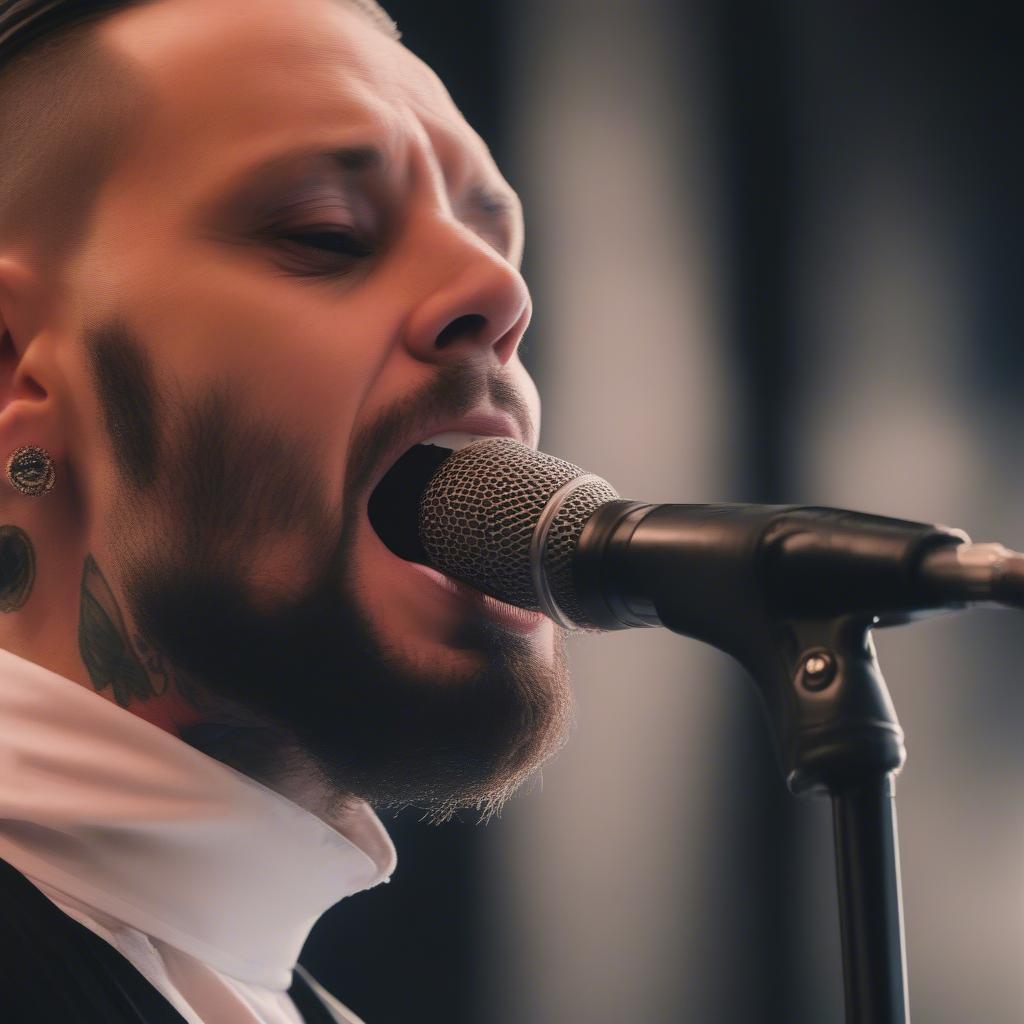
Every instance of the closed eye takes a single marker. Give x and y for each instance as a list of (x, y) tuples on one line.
[(344, 243)]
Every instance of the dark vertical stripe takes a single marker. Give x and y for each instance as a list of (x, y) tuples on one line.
[(752, 972)]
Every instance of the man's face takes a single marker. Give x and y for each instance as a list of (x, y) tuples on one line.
[(305, 262)]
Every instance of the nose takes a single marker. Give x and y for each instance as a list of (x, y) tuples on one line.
[(475, 304)]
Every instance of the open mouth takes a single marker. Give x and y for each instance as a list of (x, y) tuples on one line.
[(393, 512), (393, 507)]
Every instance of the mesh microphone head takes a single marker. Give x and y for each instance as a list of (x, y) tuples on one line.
[(478, 515)]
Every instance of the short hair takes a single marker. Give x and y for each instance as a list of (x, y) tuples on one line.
[(24, 22), (67, 104)]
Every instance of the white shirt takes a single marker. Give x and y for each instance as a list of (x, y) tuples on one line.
[(206, 880)]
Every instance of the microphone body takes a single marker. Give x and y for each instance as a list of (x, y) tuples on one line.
[(693, 568), (543, 534)]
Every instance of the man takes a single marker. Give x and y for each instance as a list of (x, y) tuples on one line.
[(250, 253)]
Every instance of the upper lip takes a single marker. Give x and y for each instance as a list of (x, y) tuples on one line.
[(487, 423)]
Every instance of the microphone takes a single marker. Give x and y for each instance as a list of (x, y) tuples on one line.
[(543, 534)]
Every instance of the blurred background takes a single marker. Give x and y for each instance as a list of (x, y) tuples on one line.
[(774, 249)]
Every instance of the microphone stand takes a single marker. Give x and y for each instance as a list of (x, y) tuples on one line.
[(838, 732), (804, 634), (793, 592)]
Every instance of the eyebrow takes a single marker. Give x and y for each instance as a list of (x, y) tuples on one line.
[(493, 206), (355, 159)]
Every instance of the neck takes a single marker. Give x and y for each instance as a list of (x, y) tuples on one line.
[(61, 611)]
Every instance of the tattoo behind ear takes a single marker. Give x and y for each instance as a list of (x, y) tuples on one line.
[(103, 641), (17, 567)]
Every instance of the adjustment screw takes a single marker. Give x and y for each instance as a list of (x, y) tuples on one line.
[(819, 669)]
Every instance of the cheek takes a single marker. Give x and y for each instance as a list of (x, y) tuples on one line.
[(298, 357), (281, 568)]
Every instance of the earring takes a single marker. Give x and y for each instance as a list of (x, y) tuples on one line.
[(30, 470)]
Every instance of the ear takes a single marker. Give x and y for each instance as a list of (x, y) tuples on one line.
[(27, 414)]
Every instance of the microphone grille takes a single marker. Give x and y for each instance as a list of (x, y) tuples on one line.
[(478, 514)]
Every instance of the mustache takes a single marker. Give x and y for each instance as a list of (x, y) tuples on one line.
[(453, 392)]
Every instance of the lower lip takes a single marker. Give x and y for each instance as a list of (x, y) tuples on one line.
[(508, 615)]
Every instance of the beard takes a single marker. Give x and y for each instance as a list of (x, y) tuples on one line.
[(294, 684)]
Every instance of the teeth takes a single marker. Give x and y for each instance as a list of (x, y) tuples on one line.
[(456, 440)]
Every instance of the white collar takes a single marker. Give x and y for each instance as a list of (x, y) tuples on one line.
[(130, 820)]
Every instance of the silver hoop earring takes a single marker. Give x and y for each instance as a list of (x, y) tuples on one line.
[(30, 470)]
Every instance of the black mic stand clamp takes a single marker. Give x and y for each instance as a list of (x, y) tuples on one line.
[(793, 593)]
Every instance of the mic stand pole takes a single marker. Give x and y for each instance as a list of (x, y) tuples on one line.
[(837, 732), (870, 904)]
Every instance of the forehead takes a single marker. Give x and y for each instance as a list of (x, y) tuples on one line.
[(232, 82)]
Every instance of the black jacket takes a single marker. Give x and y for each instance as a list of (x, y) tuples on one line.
[(53, 969)]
